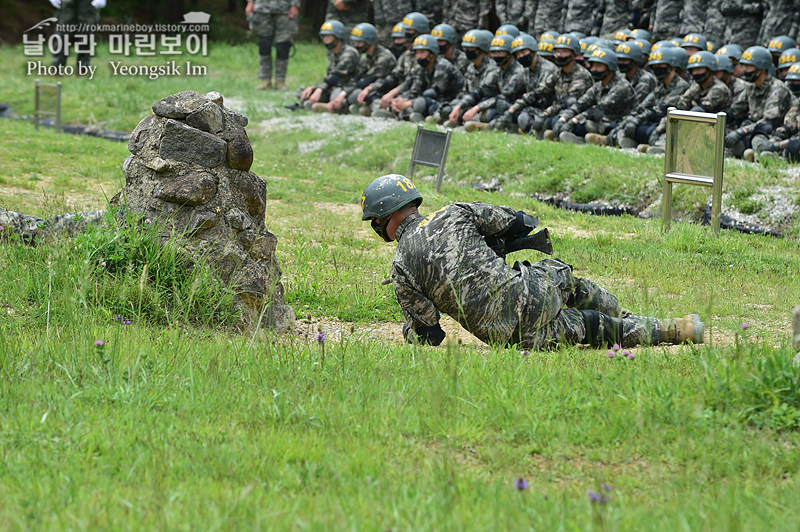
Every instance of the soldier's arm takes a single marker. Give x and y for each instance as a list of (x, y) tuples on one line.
[(491, 220), (717, 99), (421, 315)]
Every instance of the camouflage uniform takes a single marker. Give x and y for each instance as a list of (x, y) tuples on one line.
[(75, 12), (535, 77), (778, 19), (557, 91), (652, 109), (387, 14), (406, 64), (270, 22), (445, 80), (342, 67), (600, 108), (643, 83), (715, 24), (549, 15), (465, 15), (370, 69), (459, 59), (743, 21), (667, 20), (510, 86), (515, 12), (442, 264), (616, 14), (766, 108), (358, 13), (479, 82), (694, 17), (432, 9), (713, 99), (580, 16)]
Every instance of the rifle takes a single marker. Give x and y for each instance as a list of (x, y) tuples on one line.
[(538, 240)]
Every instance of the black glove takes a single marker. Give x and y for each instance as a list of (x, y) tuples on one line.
[(363, 82), (764, 128), (630, 128), (595, 113), (733, 138)]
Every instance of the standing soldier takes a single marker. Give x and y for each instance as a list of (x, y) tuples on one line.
[(342, 65), (376, 62), (580, 16), (443, 264), (694, 17), (765, 104), (447, 38), (75, 13), (549, 14), (778, 19), (274, 22), (616, 15), (348, 12), (387, 13), (510, 86), (480, 81), (636, 128), (667, 20), (516, 12), (743, 20), (629, 58), (714, 28), (466, 14), (598, 111)]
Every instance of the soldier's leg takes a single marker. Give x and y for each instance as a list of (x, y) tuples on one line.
[(284, 31), (603, 330), (588, 295), (265, 60), (86, 14), (66, 14)]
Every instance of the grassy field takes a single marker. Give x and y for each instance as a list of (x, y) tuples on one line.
[(123, 407)]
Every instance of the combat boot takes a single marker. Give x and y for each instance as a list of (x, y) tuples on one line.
[(655, 150), (570, 137), (749, 155), (680, 330), (280, 85), (365, 111), (548, 135), (628, 143), (642, 148), (320, 107), (473, 125), (264, 84), (596, 138), (416, 117)]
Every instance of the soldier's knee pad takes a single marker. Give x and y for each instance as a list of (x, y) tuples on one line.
[(282, 49), (601, 329), (792, 149), (264, 45), (420, 105), (352, 97)]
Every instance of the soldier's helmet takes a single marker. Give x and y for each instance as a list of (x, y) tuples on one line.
[(792, 55), (662, 44), (501, 43), (524, 42), (606, 57), (703, 59), (481, 39), (608, 44), (426, 41), (778, 44), (644, 46), (724, 63), (578, 34), (333, 27), (794, 72), (665, 56), (398, 30), (621, 34), (384, 196), (682, 57), (364, 32), (548, 34), (568, 42), (694, 40), (507, 29), (758, 56), (630, 51), (546, 47), (417, 22), (445, 32), (733, 50), (640, 35)]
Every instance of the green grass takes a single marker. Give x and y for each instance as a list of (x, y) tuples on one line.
[(177, 424)]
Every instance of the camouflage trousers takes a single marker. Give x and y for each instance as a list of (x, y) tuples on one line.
[(592, 314), (75, 13), (273, 29)]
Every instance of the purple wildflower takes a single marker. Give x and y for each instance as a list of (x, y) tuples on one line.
[(1, 227), (628, 354), (103, 264), (98, 343), (744, 326), (126, 322), (521, 484), (118, 317), (147, 221), (610, 353), (525, 353), (606, 487), (594, 496), (321, 337), (615, 347)]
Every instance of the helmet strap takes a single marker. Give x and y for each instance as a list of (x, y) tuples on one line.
[(380, 228)]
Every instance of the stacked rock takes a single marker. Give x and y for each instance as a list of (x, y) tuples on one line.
[(189, 172)]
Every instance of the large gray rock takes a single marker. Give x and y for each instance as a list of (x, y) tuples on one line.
[(190, 171)]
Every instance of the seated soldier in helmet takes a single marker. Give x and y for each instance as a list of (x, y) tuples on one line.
[(764, 104), (630, 61), (376, 93), (785, 61), (443, 264), (635, 128), (447, 39), (559, 90), (778, 45), (786, 140), (376, 62), (598, 111), (724, 73), (480, 80), (433, 82), (525, 51), (510, 86), (342, 65)]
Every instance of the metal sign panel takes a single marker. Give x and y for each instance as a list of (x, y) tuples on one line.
[(430, 149)]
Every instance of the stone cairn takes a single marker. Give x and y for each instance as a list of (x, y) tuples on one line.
[(189, 172)]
